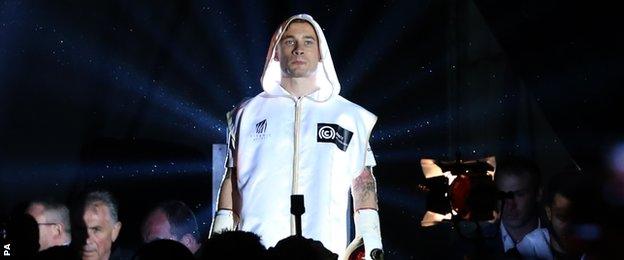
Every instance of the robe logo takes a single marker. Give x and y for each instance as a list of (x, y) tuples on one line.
[(260, 133), (333, 133), (261, 127)]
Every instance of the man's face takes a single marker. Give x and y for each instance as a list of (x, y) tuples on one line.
[(519, 209), (298, 51), (47, 230), (101, 231), (559, 216), (157, 227)]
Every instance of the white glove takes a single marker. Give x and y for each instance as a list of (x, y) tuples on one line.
[(223, 221), (367, 225)]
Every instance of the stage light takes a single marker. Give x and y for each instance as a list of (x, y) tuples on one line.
[(459, 190)]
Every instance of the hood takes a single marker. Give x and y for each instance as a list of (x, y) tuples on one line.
[(326, 78)]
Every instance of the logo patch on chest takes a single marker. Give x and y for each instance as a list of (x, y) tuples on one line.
[(260, 131), (333, 133)]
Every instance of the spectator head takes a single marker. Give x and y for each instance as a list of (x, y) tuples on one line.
[(172, 220), (163, 249), (520, 180), (58, 252), (573, 206), (102, 224), (233, 245), (23, 235), (297, 247), (53, 221)]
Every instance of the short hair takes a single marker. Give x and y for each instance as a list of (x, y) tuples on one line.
[(180, 217), (299, 20), (233, 245), (105, 198), (582, 190), (518, 166), (55, 210)]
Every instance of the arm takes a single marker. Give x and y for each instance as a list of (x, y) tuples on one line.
[(364, 191), (229, 197), (225, 218), (225, 192)]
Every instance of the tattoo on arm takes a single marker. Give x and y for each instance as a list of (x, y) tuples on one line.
[(364, 191)]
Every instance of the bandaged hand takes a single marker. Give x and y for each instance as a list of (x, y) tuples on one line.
[(368, 227), (223, 221)]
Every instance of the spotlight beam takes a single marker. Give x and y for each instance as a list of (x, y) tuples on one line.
[(134, 82), (181, 60), (377, 44), (215, 26)]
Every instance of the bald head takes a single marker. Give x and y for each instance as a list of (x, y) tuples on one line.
[(172, 220)]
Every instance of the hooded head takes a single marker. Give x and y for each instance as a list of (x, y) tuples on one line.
[(325, 74)]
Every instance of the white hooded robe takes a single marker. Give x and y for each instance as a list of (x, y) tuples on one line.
[(315, 146)]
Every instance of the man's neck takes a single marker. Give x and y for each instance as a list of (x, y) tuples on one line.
[(555, 247), (559, 253), (66, 240), (517, 234), (299, 87)]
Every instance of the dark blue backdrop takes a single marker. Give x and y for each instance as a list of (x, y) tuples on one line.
[(130, 95)]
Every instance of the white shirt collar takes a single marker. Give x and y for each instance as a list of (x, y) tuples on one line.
[(534, 245)]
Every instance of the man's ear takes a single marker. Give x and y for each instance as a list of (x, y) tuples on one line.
[(58, 230), (116, 229)]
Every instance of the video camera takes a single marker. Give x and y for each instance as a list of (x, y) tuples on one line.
[(459, 190)]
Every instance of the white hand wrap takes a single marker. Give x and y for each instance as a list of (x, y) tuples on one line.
[(368, 226), (223, 221)]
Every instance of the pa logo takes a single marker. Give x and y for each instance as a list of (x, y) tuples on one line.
[(6, 249)]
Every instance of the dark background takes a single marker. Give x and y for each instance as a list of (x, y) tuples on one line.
[(131, 95)]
